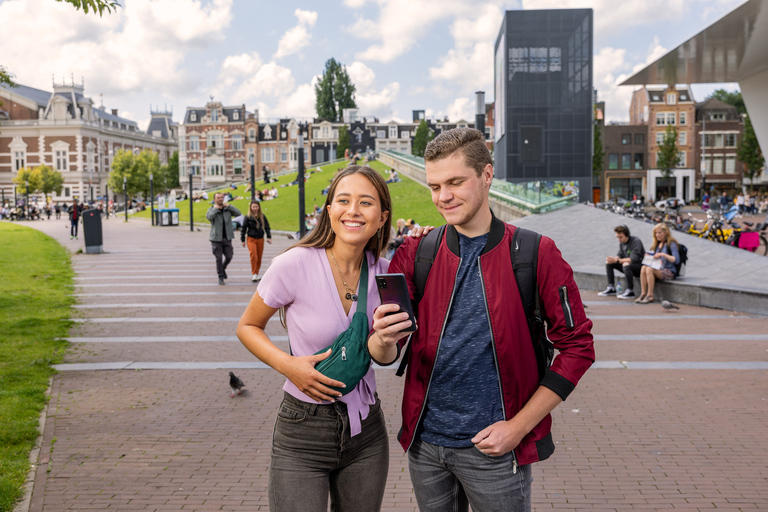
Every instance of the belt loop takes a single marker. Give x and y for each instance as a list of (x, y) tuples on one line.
[(313, 409)]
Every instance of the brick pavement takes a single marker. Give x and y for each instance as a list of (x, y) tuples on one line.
[(174, 440)]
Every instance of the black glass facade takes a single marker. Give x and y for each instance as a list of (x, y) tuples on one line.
[(543, 97)]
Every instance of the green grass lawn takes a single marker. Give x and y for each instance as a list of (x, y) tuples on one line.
[(35, 300), (409, 200)]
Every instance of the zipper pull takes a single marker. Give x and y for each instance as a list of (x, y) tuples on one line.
[(343, 353), (514, 463)]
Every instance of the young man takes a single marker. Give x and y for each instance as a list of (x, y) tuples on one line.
[(629, 260), (222, 233), (475, 412)]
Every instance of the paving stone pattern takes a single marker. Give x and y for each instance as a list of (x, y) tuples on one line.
[(159, 440)]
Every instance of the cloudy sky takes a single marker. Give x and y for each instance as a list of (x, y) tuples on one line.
[(402, 54)]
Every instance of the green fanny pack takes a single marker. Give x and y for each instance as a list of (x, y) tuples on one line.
[(350, 360)]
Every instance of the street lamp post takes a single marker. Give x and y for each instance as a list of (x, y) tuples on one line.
[(125, 194), (253, 177), (106, 198), (302, 213), (90, 172), (191, 204), (151, 200), (26, 201)]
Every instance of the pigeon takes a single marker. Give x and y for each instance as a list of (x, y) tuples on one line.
[(668, 305), (236, 384)]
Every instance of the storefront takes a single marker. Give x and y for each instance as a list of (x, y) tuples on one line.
[(624, 185), (681, 184)]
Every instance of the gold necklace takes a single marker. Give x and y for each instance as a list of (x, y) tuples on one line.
[(351, 295)]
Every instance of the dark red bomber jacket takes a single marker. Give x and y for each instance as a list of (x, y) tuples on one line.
[(567, 327)]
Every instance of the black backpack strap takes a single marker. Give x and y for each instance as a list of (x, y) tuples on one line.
[(426, 253), (524, 252)]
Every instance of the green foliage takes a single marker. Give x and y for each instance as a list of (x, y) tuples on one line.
[(668, 156), (421, 138), (343, 141), (97, 6), (6, 78), (27, 181), (35, 300), (598, 152), (51, 180), (750, 154), (171, 171), (136, 168), (334, 92), (731, 98)]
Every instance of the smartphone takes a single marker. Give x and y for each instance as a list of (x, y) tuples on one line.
[(394, 290)]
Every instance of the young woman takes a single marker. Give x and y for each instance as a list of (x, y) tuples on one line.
[(664, 247), (324, 443), (255, 225)]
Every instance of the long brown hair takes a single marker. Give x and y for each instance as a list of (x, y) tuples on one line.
[(323, 235), (260, 217), (668, 240)]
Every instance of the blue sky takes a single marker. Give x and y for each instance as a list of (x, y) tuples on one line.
[(403, 55)]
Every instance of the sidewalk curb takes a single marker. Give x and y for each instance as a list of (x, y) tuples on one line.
[(34, 456)]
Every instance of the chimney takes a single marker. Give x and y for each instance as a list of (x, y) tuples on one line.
[(480, 111), (114, 112)]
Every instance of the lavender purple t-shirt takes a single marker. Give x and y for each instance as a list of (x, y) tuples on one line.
[(301, 279)]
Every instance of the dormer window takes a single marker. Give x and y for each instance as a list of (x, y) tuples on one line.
[(214, 115), (236, 115), (267, 132), (671, 98), (193, 116)]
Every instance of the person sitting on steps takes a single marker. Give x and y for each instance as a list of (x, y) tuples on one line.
[(628, 260)]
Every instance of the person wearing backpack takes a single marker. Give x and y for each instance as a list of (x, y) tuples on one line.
[(665, 248), (475, 406)]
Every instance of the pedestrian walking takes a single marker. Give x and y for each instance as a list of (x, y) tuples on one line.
[(476, 406), (222, 233), (723, 202), (325, 442), (255, 226), (74, 212)]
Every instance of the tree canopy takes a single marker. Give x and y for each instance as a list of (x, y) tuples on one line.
[(27, 181), (421, 138), (750, 154), (51, 180), (334, 92), (136, 169), (668, 155), (730, 97), (172, 171), (343, 141), (598, 152)]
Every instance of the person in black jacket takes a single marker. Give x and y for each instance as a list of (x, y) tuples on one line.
[(628, 260), (255, 225), (74, 217)]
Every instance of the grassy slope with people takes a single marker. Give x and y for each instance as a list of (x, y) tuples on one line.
[(409, 198), (35, 300)]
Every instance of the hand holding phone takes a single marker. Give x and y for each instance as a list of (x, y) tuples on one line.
[(394, 290)]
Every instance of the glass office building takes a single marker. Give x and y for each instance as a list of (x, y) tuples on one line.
[(543, 100)]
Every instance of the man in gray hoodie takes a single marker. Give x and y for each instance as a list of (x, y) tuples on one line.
[(629, 260), (222, 233)]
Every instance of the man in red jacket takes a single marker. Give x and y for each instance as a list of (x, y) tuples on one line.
[(475, 411)]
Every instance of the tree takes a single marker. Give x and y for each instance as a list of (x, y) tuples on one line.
[(598, 153), (171, 171), (732, 98), (343, 141), (6, 78), (668, 156), (334, 92), (421, 138), (750, 154), (136, 168), (51, 180), (27, 181)]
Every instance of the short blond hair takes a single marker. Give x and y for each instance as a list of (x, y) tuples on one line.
[(469, 141)]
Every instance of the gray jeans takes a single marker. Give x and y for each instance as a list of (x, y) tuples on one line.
[(222, 249), (449, 479), (313, 456)]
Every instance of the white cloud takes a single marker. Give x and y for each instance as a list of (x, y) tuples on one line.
[(370, 100), (469, 68), (300, 103), (297, 37), (461, 108), (361, 75), (140, 47)]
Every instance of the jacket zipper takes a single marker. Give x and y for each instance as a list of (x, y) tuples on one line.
[(432, 371), (566, 307), (495, 359)]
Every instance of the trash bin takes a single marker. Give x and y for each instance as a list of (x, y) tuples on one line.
[(168, 217), (174, 216), (92, 231)]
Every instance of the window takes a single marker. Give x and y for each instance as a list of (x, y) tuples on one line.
[(405, 135), (665, 118), (335, 133), (62, 161), (215, 167), (613, 161), (717, 117), (283, 154), (681, 163), (730, 164), (708, 166), (20, 159), (66, 191), (626, 161), (267, 132), (193, 116), (194, 167), (214, 115), (626, 138), (251, 135), (639, 139), (359, 137), (717, 164), (194, 143), (381, 134), (267, 155), (215, 140), (671, 98), (252, 156), (237, 142), (236, 115), (682, 138), (238, 165), (294, 133), (730, 140), (683, 118), (393, 132), (315, 134), (660, 138), (639, 161), (326, 132)]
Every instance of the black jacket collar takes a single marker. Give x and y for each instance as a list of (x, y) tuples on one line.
[(495, 235)]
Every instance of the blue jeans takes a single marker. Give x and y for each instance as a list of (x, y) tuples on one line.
[(450, 479), (313, 456)]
